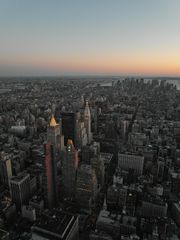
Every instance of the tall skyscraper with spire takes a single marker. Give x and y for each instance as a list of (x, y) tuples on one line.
[(54, 134), (52, 149), (87, 121), (69, 171)]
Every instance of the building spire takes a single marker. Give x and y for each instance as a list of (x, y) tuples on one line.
[(87, 110), (53, 121), (105, 204), (70, 145), (87, 121)]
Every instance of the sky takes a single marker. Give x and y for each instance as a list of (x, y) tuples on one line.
[(74, 37)]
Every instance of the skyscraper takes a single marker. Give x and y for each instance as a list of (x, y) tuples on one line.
[(96, 120), (5, 169), (98, 164), (54, 134), (81, 134), (20, 189), (87, 121), (69, 126), (50, 175), (69, 170), (86, 187), (130, 161)]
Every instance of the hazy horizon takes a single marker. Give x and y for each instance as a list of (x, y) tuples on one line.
[(50, 38)]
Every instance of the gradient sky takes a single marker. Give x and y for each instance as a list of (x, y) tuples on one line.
[(56, 37)]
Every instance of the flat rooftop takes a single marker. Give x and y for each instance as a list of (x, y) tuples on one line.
[(19, 178), (57, 225)]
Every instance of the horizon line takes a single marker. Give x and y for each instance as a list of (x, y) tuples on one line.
[(91, 75)]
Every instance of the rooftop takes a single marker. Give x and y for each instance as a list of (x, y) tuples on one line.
[(19, 178), (57, 225), (107, 217)]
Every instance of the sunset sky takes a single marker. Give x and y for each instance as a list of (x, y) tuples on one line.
[(66, 37)]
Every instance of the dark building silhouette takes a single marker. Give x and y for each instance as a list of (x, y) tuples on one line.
[(69, 126), (69, 170), (50, 175)]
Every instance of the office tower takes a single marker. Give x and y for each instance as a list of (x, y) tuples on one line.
[(86, 187), (5, 169), (81, 134), (86, 154), (123, 128), (69, 126), (50, 175), (131, 201), (134, 162), (20, 189), (160, 170), (54, 134), (96, 120), (87, 121), (154, 207), (69, 170), (98, 164)]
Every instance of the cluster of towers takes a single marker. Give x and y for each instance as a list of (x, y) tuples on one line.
[(61, 153)]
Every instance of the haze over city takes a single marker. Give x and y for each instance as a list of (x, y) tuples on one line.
[(89, 37)]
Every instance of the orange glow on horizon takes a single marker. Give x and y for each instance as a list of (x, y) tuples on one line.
[(151, 65)]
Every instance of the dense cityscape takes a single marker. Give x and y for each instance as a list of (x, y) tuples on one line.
[(89, 158)]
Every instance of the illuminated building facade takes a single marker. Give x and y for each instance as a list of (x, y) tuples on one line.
[(54, 134)]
